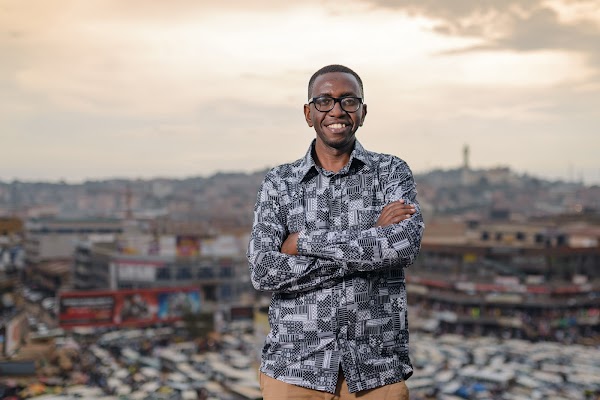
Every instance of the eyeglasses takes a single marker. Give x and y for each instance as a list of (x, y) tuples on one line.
[(326, 103)]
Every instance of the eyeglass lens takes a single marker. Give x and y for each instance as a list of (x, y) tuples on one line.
[(349, 104)]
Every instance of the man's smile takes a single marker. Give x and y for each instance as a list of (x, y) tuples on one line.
[(337, 127)]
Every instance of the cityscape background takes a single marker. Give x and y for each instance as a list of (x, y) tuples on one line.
[(140, 288), (135, 136)]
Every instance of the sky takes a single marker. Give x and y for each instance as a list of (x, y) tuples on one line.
[(100, 89)]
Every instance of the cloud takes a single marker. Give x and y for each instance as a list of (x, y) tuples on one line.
[(219, 134), (518, 25), (106, 87)]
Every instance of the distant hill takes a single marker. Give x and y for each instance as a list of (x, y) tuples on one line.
[(227, 199)]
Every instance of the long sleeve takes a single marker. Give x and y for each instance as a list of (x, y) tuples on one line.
[(377, 247), (271, 270)]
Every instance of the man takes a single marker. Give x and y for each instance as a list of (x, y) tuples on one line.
[(332, 234)]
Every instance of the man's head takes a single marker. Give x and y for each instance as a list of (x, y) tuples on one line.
[(334, 68), (335, 108)]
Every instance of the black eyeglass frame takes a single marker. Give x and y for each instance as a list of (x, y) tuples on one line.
[(337, 100)]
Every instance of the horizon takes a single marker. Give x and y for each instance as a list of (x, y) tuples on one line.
[(522, 174), (145, 89)]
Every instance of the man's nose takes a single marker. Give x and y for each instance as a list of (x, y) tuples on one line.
[(337, 109)]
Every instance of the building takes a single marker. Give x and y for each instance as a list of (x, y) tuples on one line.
[(10, 226), (531, 280), (49, 246), (219, 272), (47, 239)]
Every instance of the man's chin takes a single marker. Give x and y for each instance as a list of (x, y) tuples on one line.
[(340, 144)]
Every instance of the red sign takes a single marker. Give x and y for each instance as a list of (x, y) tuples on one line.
[(126, 307), (188, 246)]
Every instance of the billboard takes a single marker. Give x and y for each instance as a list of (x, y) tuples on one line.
[(133, 307), (242, 313), (188, 246)]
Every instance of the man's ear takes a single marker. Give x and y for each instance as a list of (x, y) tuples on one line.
[(364, 114), (307, 115)]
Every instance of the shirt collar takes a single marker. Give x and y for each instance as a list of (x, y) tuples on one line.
[(308, 163)]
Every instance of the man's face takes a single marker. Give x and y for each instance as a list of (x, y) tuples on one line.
[(335, 128)]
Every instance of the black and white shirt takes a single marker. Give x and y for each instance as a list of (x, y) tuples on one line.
[(342, 300)]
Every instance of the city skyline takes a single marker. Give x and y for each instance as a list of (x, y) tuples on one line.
[(107, 89)]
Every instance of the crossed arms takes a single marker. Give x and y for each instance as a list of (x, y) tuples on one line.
[(294, 262)]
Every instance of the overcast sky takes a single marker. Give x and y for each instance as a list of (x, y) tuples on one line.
[(140, 88)]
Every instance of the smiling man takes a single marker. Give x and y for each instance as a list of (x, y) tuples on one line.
[(332, 234)]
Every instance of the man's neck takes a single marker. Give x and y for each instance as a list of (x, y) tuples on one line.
[(332, 159)]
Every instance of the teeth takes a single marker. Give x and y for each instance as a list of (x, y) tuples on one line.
[(337, 126)]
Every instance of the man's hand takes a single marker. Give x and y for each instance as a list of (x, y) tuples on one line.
[(395, 212), (290, 245)]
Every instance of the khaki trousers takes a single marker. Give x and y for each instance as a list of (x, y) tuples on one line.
[(272, 389)]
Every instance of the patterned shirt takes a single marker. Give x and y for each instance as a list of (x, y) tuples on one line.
[(342, 301)]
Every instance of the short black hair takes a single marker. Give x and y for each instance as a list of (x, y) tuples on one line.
[(334, 68)]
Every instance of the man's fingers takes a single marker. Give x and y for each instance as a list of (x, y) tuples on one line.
[(395, 212), (397, 208), (393, 218), (397, 218)]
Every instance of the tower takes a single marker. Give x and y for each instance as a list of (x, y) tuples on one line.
[(465, 172)]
